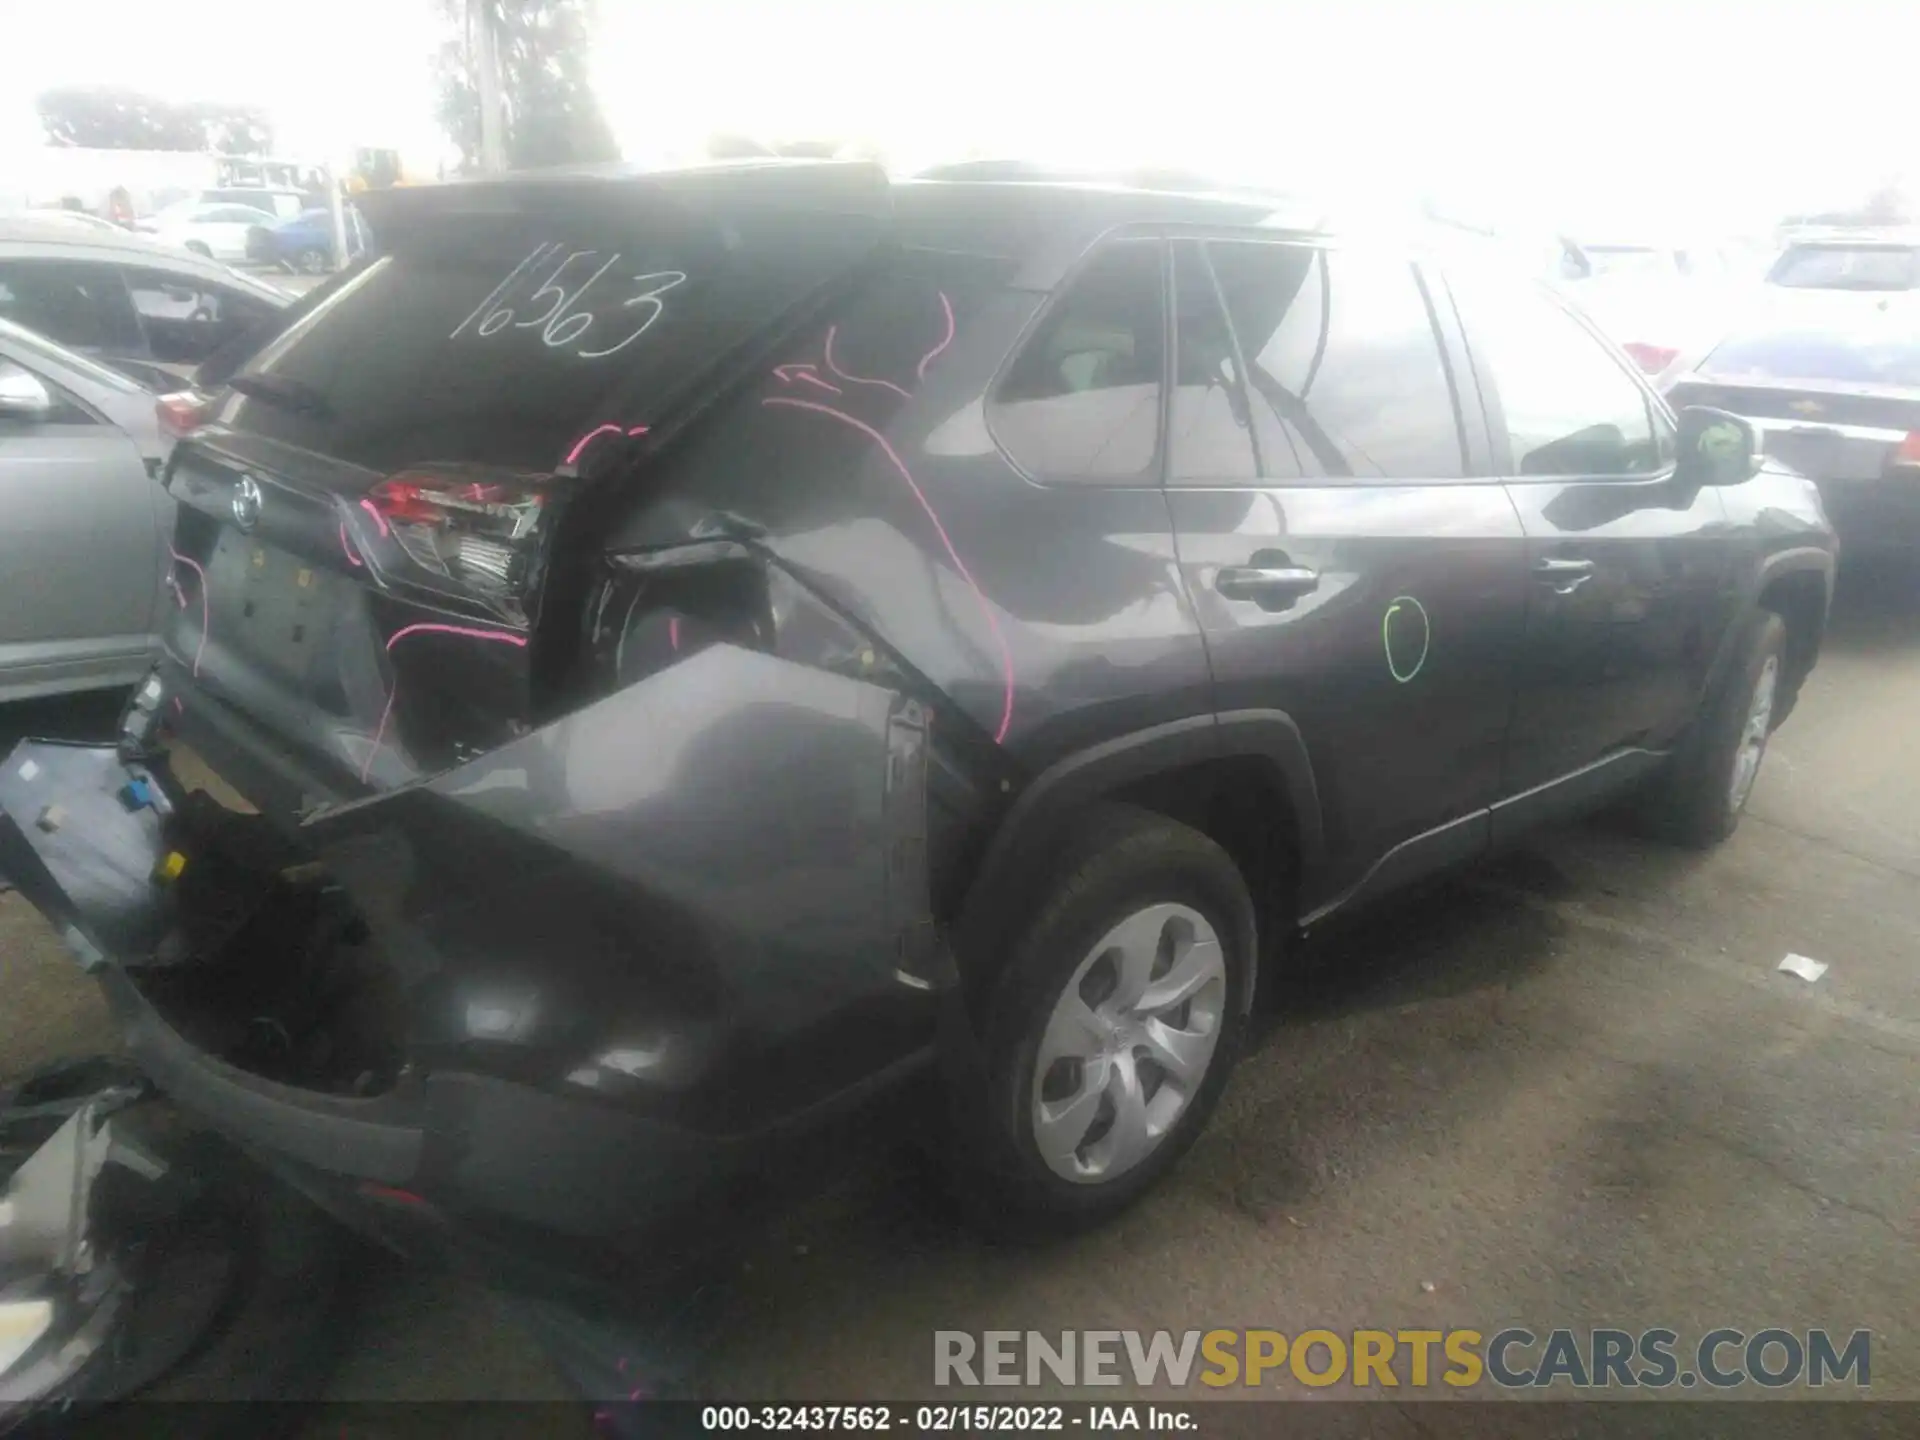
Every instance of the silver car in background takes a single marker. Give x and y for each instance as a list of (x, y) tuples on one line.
[(83, 548), (145, 308)]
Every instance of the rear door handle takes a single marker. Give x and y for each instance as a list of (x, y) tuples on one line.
[(1266, 582), (1566, 576)]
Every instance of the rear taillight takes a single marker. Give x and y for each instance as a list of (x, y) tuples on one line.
[(1909, 451), (1651, 359), (182, 412), (473, 538)]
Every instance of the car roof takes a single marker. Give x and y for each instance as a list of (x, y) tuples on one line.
[(55, 239), (1043, 221)]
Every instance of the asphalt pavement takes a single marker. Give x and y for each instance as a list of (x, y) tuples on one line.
[(1569, 1088)]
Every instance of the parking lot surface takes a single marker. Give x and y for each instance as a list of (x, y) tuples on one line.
[(1567, 1089)]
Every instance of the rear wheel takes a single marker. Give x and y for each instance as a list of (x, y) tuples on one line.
[(311, 261), (1699, 798), (1112, 1031)]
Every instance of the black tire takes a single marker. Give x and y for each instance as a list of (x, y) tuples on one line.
[(1118, 861), (1692, 800), (312, 261)]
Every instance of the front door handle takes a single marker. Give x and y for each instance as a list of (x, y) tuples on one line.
[(1566, 576), (1266, 582)]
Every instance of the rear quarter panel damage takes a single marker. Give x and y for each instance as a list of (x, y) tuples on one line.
[(705, 895)]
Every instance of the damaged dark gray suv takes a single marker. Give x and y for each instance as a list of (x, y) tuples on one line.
[(698, 649)]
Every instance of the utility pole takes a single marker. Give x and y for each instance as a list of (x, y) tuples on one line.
[(486, 65)]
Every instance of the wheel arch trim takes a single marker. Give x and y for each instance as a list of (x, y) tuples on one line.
[(1065, 788)]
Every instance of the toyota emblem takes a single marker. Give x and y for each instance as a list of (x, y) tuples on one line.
[(246, 503)]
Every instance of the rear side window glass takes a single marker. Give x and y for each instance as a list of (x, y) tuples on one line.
[(1848, 267), (1209, 435), (505, 342), (187, 319), (1344, 372), (1081, 400), (77, 304), (1569, 406)]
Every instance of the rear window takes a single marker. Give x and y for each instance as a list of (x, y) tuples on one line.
[(504, 341), (1888, 356), (1848, 267)]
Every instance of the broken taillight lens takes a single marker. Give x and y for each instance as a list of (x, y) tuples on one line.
[(478, 537), (182, 412)]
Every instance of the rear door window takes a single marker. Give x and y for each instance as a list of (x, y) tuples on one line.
[(1081, 401), (1568, 405), (76, 303), (504, 342), (1344, 371), (1209, 434), (187, 319)]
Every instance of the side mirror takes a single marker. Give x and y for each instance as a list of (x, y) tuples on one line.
[(22, 396), (1715, 448)]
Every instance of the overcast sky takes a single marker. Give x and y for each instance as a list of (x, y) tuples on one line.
[(1628, 114)]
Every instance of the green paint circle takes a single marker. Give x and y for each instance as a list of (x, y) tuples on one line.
[(1386, 636)]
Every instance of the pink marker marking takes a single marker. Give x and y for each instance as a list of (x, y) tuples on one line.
[(206, 611), (580, 445), (378, 518), (425, 626), (834, 366), (933, 354), (638, 430), (986, 608), (179, 708), (673, 633), (346, 549), (807, 373)]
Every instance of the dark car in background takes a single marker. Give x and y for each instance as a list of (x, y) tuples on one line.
[(1832, 383), (305, 242), (704, 649)]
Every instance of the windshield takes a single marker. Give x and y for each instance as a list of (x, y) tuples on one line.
[(502, 342), (1885, 355), (1848, 267)]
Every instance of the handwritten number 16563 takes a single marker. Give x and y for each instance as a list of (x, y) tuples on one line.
[(559, 323)]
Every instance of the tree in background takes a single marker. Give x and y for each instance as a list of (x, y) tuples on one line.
[(115, 119), (552, 117)]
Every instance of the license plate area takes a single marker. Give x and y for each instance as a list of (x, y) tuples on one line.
[(274, 608)]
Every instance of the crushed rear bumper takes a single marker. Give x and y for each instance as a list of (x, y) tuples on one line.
[(639, 949)]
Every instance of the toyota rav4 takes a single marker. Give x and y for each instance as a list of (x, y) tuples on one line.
[(698, 649)]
